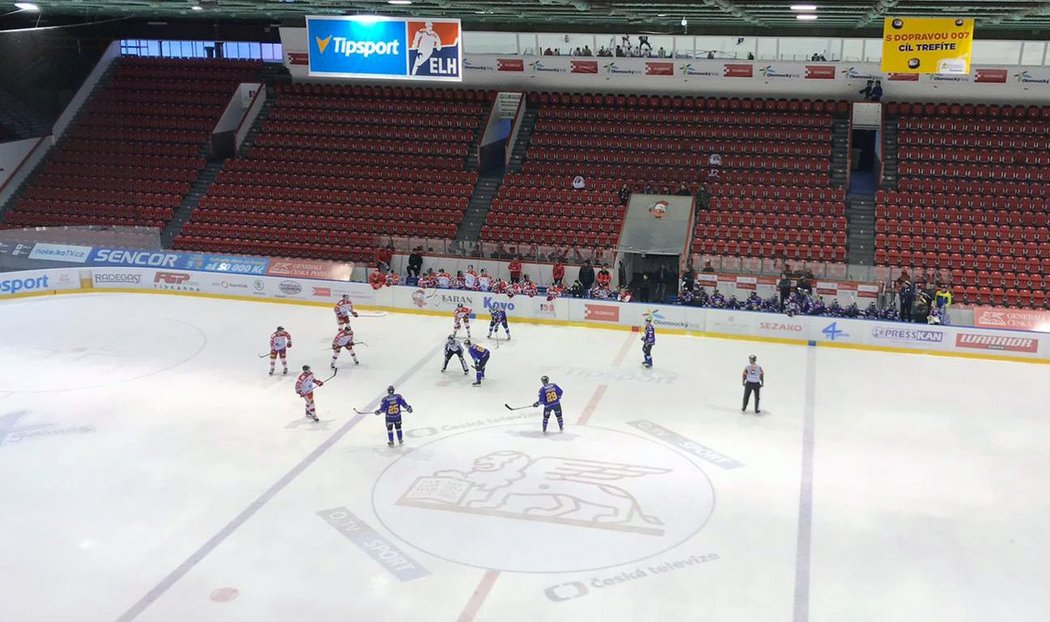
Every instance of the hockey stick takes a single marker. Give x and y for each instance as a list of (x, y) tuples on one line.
[(377, 314), (509, 407), (334, 372), (365, 412), (356, 343)]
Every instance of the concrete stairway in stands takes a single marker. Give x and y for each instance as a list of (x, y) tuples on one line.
[(839, 152), (889, 152), (190, 202), (264, 113), (860, 230), (517, 153), (470, 163), (478, 207)]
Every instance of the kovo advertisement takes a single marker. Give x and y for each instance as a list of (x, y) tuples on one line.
[(385, 47), (927, 45)]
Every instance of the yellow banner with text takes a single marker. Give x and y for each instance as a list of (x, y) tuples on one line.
[(927, 45)]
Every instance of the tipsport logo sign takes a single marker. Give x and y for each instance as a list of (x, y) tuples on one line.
[(385, 47)]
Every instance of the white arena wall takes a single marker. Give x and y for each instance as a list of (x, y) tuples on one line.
[(817, 331), (719, 77)]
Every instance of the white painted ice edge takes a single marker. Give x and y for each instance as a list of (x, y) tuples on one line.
[(820, 331)]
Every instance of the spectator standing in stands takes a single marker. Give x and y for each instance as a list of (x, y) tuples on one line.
[(559, 273), (604, 277), (906, 292), (750, 56), (703, 196), (943, 300), (625, 194), (384, 257), (784, 287), (688, 279), (415, 262), (663, 279), (662, 53), (866, 91), (648, 189), (876, 92), (515, 270), (644, 287), (548, 52)]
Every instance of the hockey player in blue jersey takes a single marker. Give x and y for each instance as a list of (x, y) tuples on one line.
[(648, 341), (499, 316), (391, 406), (481, 356), (453, 348), (550, 398)]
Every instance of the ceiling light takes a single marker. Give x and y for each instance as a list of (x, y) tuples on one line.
[(806, 16), (803, 7), (399, 1), (27, 6), (197, 7), (685, 22)]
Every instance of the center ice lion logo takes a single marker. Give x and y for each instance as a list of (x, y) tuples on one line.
[(511, 484)]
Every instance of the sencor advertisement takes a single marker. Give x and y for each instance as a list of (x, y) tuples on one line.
[(385, 47), (915, 45)]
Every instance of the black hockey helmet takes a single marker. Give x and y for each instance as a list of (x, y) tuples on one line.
[(466, 342), (390, 390), (306, 368), (544, 379), (280, 328), (752, 358)]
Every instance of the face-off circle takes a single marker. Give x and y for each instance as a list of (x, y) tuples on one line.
[(89, 338), (502, 498)]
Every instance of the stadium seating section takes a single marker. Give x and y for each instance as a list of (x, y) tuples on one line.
[(137, 146), (771, 195), (336, 165), (972, 199)]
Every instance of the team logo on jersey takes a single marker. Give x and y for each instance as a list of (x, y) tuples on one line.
[(659, 209), (489, 486)]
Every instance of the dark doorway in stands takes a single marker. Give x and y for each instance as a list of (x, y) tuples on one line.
[(864, 162), (641, 273)]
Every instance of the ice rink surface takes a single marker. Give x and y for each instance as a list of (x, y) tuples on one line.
[(151, 470)]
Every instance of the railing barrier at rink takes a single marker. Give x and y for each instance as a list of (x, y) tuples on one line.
[(753, 326)]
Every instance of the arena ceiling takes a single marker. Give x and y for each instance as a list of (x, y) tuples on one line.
[(662, 16)]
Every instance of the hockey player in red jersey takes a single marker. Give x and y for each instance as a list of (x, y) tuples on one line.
[(484, 281), (444, 279), (470, 279), (343, 339), (528, 287), (280, 341), (343, 310), (304, 386), (462, 315)]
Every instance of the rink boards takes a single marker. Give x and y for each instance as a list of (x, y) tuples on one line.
[(822, 331)]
